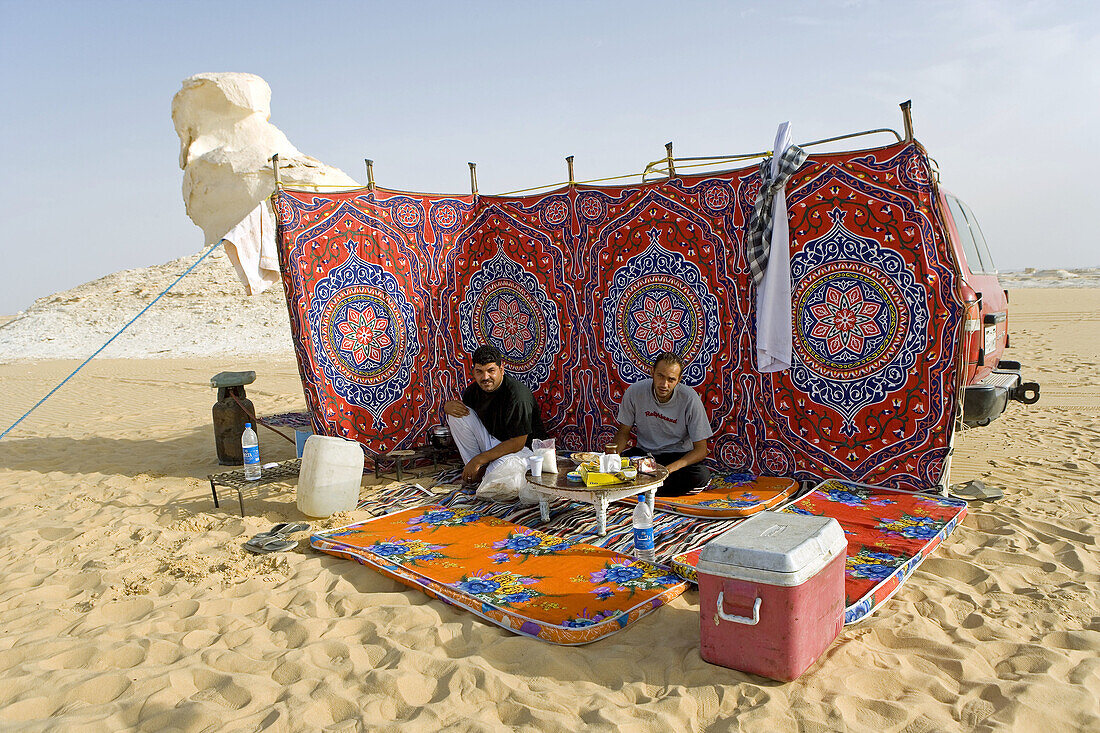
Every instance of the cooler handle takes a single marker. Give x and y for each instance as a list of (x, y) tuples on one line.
[(740, 619)]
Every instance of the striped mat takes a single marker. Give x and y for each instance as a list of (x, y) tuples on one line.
[(575, 521)]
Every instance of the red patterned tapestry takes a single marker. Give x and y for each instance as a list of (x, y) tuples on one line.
[(390, 292)]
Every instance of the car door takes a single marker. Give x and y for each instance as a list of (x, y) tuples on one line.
[(980, 274)]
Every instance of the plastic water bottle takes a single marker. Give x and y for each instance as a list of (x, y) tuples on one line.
[(250, 446), (643, 531)]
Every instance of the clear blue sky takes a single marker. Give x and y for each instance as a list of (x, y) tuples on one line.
[(1006, 97)]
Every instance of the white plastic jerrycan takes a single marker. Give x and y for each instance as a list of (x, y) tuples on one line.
[(332, 472)]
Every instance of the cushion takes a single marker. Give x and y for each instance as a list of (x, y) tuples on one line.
[(889, 534), (731, 495), (526, 581)]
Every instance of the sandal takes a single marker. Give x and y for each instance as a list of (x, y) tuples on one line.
[(264, 545), (282, 529)]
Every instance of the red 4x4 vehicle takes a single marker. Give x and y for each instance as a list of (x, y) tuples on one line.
[(990, 380)]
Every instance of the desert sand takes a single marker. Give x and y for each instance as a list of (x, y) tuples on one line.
[(128, 603)]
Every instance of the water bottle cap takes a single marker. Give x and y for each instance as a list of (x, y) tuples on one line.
[(641, 498), (248, 424)]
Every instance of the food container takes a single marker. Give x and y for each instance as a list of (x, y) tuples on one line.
[(771, 593)]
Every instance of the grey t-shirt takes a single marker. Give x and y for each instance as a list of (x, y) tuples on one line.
[(668, 428)]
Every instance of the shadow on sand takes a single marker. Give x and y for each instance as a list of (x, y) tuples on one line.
[(191, 454)]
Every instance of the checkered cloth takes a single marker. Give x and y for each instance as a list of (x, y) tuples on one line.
[(758, 235)]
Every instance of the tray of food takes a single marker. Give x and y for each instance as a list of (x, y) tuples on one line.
[(592, 476)]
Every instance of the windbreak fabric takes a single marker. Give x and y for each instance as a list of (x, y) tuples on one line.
[(390, 292)]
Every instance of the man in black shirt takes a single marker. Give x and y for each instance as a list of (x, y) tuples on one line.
[(496, 416)]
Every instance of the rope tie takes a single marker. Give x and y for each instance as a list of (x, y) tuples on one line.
[(258, 421), (119, 333)]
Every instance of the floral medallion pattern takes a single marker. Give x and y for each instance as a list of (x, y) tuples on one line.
[(507, 306), (363, 336), (658, 301), (860, 321), (365, 333)]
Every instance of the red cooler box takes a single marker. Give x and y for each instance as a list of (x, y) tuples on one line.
[(771, 593)]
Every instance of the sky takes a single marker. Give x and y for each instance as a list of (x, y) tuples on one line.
[(1006, 99)]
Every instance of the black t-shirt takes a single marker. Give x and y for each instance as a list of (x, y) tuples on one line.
[(507, 412)]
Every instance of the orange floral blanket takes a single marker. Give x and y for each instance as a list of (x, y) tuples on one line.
[(526, 581), (731, 495)]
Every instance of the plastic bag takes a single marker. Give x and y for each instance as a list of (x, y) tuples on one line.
[(504, 480), (546, 448), (646, 464)]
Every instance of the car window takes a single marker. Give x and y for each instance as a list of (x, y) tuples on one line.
[(966, 239), (979, 239)]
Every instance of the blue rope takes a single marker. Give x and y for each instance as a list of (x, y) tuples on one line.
[(104, 346)]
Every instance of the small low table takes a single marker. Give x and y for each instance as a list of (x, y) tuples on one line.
[(236, 480), (556, 485)]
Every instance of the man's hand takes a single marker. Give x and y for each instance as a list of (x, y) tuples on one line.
[(472, 471), (456, 408), (475, 469)]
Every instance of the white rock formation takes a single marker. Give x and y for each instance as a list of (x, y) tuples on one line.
[(226, 143), (204, 315)]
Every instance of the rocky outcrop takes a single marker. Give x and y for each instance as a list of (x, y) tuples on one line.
[(226, 143), (203, 315)]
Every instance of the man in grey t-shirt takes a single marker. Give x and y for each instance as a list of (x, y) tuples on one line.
[(671, 425)]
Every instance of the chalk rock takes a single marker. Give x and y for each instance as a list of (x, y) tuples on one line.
[(226, 143), (1056, 274)]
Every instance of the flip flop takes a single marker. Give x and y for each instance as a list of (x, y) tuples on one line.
[(294, 528), (263, 546), (282, 529), (975, 490)]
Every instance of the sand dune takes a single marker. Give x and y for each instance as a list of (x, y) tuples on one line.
[(127, 602)]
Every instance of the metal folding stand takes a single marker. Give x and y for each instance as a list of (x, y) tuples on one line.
[(399, 461), (236, 480)]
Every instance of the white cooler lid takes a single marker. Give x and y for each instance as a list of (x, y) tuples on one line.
[(780, 548)]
